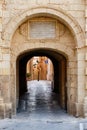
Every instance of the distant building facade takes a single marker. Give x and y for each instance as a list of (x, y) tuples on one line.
[(40, 68)]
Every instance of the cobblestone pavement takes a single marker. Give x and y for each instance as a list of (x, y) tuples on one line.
[(39, 110)]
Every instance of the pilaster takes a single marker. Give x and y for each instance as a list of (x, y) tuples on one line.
[(2, 108), (86, 39), (85, 99)]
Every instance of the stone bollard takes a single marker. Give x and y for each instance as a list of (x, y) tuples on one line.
[(2, 108), (85, 107), (8, 110), (77, 113)]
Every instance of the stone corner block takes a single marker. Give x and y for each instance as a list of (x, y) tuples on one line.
[(86, 57), (86, 71), (8, 110), (85, 107), (2, 110)]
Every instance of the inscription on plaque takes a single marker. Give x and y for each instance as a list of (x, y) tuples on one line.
[(42, 30)]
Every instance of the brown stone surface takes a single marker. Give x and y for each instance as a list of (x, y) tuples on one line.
[(2, 110)]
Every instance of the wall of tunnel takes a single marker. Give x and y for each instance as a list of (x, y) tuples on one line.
[(59, 78)]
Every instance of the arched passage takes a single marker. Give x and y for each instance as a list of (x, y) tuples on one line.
[(22, 49), (58, 49), (59, 79)]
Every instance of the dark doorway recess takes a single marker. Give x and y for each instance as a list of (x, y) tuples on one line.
[(59, 61)]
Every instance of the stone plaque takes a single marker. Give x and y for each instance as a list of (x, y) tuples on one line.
[(42, 30)]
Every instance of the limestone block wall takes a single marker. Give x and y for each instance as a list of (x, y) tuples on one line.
[(75, 47), (85, 98), (14, 7)]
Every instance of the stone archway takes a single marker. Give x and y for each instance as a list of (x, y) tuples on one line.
[(59, 78), (57, 13), (74, 39), (69, 60)]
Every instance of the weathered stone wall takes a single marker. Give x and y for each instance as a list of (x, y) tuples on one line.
[(70, 14), (14, 7)]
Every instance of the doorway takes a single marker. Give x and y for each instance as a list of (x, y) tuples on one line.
[(57, 82)]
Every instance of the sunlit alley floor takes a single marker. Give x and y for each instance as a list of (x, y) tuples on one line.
[(41, 103), (39, 110)]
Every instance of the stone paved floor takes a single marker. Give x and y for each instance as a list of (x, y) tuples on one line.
[(39, 110), (41, 103)]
